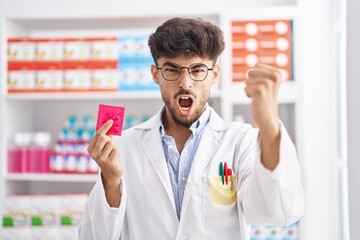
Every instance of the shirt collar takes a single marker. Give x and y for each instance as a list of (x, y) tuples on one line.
[(195, 127)]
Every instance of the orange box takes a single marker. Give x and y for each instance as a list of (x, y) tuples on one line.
[(268, 42)]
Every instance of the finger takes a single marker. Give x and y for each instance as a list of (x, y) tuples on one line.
[(106, 127), (258, 80), (108, 148), (260, 83), (97, 149), (262, 73), (266, 71), (115, 154), (103, 130), (260, 88), (266, 66)]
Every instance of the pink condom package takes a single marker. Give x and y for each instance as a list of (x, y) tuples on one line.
[(107, 112)]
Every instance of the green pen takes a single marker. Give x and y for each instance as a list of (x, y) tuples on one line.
[(221, 172)]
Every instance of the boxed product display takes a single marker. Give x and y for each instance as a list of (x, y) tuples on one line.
[(21, 76), (104, 75), (79, 64), (21, 49), (77, 49), (134, 64), (49, 76), (104, 48), (70, 152), (275, 233), (77, 76), (16, 211), (44, 211), (49, 49), (266, 41), (42, 217)]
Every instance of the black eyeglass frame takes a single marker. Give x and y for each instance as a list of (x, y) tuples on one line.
[(188, 70)]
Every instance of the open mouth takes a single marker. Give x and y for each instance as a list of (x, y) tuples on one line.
[(185, 103)]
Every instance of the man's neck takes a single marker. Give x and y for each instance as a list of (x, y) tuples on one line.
[(180, 133)]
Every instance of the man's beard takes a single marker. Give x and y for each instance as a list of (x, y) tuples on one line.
[(179, 121)]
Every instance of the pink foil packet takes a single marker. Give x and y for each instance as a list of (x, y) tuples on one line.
[(107, 112)]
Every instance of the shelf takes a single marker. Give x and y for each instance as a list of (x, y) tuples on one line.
[(85, 95), (131, 95), (49, 177), (288, 93)]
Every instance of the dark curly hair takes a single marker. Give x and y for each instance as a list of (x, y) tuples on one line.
[(188, 37)]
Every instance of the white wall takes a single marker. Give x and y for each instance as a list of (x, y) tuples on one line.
[(116, 7), (318, 122), (353, 113)]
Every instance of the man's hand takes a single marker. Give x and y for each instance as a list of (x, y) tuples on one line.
[(103, 150), (262, 87)]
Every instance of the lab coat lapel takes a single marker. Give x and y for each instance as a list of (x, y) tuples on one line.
[(209, 143), (152, 145)]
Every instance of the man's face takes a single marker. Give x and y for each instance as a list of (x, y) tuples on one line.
[(184, 98)]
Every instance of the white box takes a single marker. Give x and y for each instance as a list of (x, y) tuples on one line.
[(21, 50), (17, 211), (49, 50)]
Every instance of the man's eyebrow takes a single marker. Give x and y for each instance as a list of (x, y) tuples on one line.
[(171, 64)]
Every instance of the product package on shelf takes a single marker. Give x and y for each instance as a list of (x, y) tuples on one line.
[(49, 49), (21, 49), (62, 64), (70, 153), (134, 64), (79, 64), (265, 41), (38, 217), (77, 76), (275, 233), (104, 75), (29, 153), (49, 76), (21, 76)]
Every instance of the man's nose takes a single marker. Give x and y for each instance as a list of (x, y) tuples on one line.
[(185, 81)]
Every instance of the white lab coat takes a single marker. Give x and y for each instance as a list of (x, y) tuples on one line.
[(147, 209)]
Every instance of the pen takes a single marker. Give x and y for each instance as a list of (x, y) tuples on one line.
[(221, 172), (226, 173)]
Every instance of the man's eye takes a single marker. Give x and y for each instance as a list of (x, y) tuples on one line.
[(197, 70), (171, 70)]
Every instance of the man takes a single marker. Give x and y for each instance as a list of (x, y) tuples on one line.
[(185, 173)]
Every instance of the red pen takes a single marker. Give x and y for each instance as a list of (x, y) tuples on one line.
[(226, 173)]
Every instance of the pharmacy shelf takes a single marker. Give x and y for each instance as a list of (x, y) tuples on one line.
[(122, 95), (49, 177), (85, 95)]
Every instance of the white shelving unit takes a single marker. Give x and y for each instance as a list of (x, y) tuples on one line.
[(74, 178), (47, 112)]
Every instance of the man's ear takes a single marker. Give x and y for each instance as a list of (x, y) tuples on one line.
[(154, 73), (216, 73)]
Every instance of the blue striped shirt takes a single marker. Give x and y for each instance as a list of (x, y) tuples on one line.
[(179, 165)]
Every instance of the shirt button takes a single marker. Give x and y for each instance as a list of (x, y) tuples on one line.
[(184, 178)]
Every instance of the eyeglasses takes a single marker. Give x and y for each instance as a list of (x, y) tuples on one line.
[(172, 71)]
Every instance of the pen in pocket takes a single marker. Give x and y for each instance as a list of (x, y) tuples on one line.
[(225, 174)]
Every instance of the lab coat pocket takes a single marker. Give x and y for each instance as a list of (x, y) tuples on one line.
[(219, 207)]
